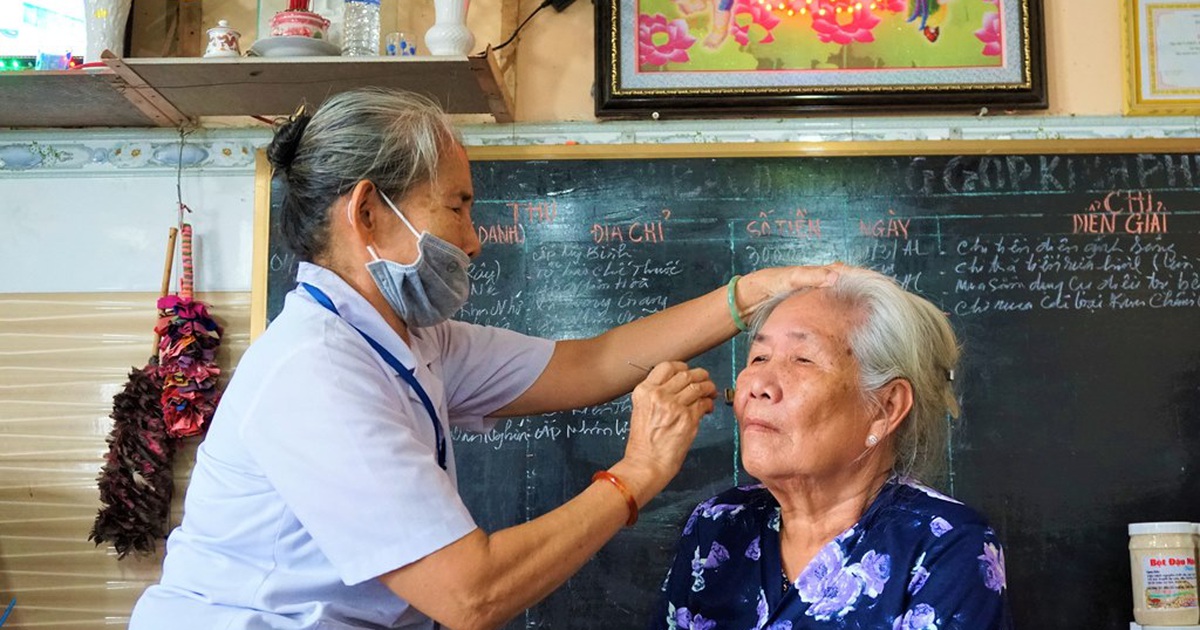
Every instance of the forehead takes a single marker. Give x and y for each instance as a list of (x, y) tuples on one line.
[(454, 170), (452, 160), (812, 317)]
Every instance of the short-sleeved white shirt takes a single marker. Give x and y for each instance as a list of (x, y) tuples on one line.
[(319, 472)]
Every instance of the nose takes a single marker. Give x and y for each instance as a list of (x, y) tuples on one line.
[(758, 384), (471, 243)]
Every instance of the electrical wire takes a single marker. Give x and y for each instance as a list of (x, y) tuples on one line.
[(179, 180), (544, 4)]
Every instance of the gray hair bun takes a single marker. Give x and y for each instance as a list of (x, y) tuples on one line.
[(286, 142)]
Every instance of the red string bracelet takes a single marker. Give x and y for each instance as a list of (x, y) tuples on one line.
[(633, 506)]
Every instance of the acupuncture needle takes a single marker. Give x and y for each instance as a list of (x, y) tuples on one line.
[(728, 390)]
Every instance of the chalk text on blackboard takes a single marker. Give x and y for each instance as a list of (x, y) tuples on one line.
[(633, 232), (798, 225), (1133, 211), (885, 228)]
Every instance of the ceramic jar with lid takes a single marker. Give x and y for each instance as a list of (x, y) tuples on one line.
[(223, 41)]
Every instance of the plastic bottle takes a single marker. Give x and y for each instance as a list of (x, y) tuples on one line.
[(360, 28), (1162, 559)]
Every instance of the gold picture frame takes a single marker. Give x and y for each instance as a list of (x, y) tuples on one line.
[(1162, 57)]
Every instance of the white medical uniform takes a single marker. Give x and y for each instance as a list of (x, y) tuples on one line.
[(320, 473)]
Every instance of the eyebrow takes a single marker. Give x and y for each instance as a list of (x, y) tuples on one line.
[(798, 335)]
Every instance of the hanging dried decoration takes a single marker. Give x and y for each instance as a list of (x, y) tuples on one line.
[(136, 482), (173, 397), (187, 355)]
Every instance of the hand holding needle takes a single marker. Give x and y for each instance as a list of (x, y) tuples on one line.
[(728, 390)]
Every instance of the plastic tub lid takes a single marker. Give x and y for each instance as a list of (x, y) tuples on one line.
[(1165, 527)]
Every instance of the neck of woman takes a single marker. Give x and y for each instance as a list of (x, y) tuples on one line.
[(816, 510), (356, 275), (393, 320)]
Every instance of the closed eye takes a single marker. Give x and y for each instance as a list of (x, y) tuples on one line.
[(758, 358)]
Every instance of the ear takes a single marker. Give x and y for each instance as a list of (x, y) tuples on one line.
[(360, 211), (895, 401)]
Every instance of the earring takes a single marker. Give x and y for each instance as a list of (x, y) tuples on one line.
[(872, 441)]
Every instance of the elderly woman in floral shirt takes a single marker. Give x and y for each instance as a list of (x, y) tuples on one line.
[(842, 405)]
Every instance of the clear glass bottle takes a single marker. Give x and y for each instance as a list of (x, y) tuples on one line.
[(360, 28)]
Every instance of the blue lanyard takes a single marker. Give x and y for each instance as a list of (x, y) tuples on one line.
[(395, 364)]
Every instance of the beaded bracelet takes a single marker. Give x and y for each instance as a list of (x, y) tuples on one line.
[(633, 506), (730, 294)]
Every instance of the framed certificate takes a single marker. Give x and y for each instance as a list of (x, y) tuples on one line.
[(1162, 57)]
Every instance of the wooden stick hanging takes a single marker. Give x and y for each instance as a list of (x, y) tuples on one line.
[(166, 277)]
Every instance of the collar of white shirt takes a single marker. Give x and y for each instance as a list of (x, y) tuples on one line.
[(355, 310)]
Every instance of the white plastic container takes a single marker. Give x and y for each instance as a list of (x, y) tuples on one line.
[(1162, 561), (1196, 545)]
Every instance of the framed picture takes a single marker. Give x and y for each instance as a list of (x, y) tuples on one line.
[(712, 57), (1162, 57)]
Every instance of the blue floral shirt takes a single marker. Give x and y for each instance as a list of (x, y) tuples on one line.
[(917, 560)]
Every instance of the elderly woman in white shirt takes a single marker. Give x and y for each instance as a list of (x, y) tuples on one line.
[(325, 495)]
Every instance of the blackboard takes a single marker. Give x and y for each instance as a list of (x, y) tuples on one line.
[(1071, 271)]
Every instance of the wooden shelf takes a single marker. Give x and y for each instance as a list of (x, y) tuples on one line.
[(67, 99), (168, 92)]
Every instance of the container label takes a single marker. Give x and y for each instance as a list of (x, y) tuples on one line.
[(1170, 582)]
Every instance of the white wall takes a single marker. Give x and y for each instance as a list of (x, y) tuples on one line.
[(90, 211)]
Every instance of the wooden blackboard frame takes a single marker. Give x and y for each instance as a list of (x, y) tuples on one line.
[(853, 148), (260, 263)]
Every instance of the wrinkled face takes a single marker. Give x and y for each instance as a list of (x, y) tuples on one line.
[(442, 207), (799, 408)]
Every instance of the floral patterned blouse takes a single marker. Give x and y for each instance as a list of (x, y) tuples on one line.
[(917, 560)]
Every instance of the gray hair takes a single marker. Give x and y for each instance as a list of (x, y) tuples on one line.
[(392, 138), (901, 335)]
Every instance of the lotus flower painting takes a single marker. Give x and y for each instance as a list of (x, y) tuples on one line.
[(818, 35), (756, 55)]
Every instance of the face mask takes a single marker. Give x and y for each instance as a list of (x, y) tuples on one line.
[(432, 288)]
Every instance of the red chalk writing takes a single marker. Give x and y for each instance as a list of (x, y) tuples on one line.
[(1128, 212), (632, 232)]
